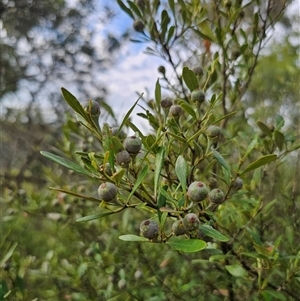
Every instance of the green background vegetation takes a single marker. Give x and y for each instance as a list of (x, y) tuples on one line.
[(46, 255)]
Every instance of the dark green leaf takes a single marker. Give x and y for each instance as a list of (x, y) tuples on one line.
[(190, 79), (264, 128), (135, 9), (159, 163), (259, 162), (95, 216), (157, 94), (221, 160), (69, 164), (181, 171), (273, 295), (131, 237), (171, 32), (74, 103), (211, 232), (279, 139), (186, 245), (139, 180), (125, 119), (188, 108), (125, 8), (84, 197)]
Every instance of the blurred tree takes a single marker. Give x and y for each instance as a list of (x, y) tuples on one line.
[(47, 43)]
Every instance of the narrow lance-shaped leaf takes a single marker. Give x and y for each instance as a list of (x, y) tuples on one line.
[(186, 245), (125, 8), (259, 162), (84, 197), (159, 162), (157, 95), (181, 171), (221, 160), (95, 216), (131, 237), (211, 232), (69, 164), (190, 79), (129, 113), (74, 103), (139, 180)]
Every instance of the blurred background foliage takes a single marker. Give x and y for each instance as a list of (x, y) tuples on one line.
[(45, 254)]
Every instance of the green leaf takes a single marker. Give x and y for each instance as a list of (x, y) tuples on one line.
[(165, 20), (279, 139), (139, 180), (186, 245), (190, 79), (221, 160), (171, 32), (161, 200), (273, 295), (8, 254), (84, 197), (125, 8), (69, 164), (74, 103), (236, 270), (159, 163), (94, 216), (188, 108), (279, 121), (206, 32), (135, 9), (129, 113), (259, 162), (157, 94), (264, 128), (131, 237), (211, 232), (181, 171)]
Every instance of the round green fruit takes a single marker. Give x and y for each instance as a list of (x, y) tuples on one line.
[(149, 229), (197, 191), (216, 196), (191, 222), (198, 70), (198, 96), (107, 192), (133, 145), (116, 132), (92, 108), (138, 26), (175, 111), (178, 228), (123, 158), (213, 131), (238, 183), (166, 103)]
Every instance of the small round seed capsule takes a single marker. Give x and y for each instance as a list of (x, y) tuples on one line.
[(216, 196), (133, 145), (107, 191), (92, 108), (175, 111), (123, 158), (197, 191), (191, 222), (149, 229), (178, 228)]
